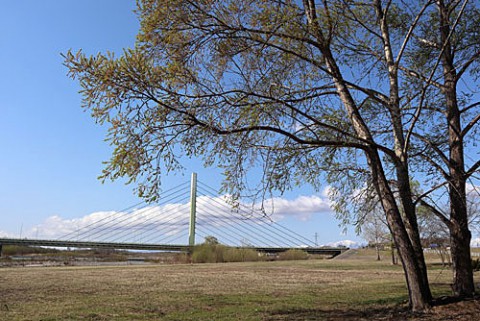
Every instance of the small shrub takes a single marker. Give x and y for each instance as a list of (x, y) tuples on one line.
[(180, 258), (208, 253), (219, 251), (293, 255), (9, 250), (241, 255), (203, 254)]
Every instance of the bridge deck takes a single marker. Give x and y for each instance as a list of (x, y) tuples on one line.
[(333, 251)]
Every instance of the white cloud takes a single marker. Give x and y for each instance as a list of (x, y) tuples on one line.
[(6, 234), (346, 243), (111, 224), (302, 208), (475, 242)]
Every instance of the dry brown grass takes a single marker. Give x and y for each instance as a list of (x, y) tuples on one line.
[(288, 290)]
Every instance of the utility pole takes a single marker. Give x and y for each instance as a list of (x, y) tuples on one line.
[(193, 210)]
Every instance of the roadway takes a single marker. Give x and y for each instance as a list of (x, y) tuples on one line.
[(333, 251)]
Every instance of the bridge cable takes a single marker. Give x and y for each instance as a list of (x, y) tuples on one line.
[(137, 224), (275, 225), (249, 230), (265, 226), (135, 220), (110, 219), (118, 218)]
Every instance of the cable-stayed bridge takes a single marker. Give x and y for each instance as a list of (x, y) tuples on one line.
[(185, 216)]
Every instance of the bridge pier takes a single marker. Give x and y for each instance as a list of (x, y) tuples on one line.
[(1, 250)]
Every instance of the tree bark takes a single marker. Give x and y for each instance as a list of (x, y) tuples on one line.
[(460, 236), (463, 283), (420, 296), (410, 219)]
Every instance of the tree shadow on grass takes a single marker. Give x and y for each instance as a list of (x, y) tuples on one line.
[(444, 309), (340, 314)]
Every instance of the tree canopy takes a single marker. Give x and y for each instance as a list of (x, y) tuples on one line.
[(362, 94)]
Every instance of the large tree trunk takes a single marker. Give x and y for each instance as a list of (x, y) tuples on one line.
[(410, 219), (419, 293), (460, 235), (463, 284), (415, 272)]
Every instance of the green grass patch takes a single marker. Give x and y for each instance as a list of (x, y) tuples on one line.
[(280, 290)]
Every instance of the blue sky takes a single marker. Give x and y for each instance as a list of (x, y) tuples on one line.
[(52, 151)]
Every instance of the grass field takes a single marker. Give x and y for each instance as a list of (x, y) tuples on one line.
[(351, 289)]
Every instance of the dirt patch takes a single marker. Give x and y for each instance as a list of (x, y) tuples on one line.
[(445, 309)]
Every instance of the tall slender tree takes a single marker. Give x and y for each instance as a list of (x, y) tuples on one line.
[(446, 54)]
